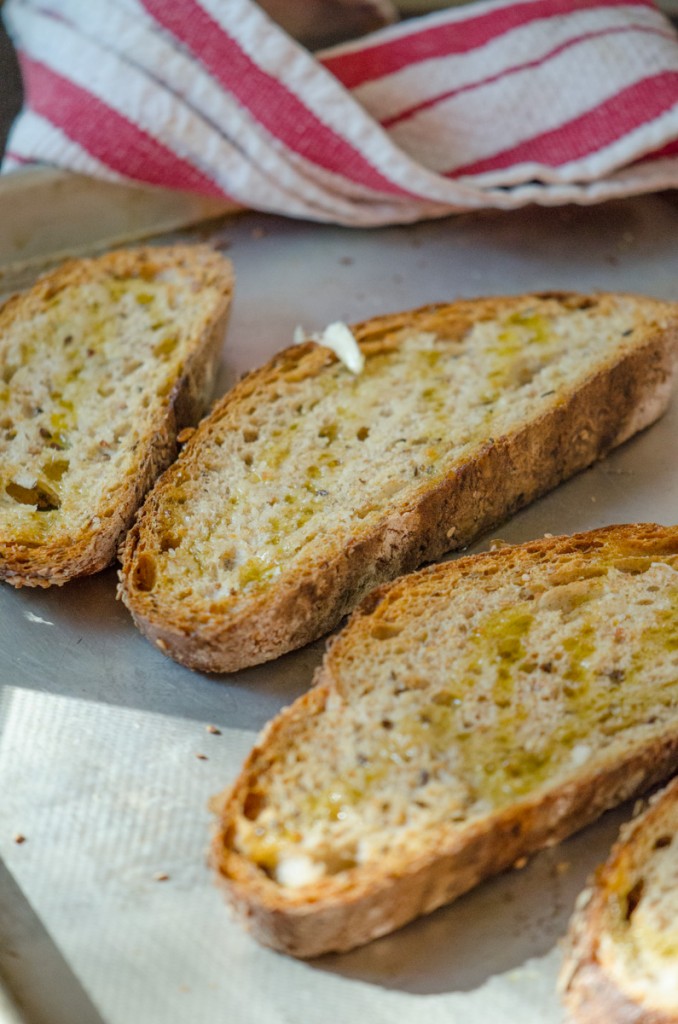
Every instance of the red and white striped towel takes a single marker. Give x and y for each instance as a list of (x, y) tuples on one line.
[(496, 104)]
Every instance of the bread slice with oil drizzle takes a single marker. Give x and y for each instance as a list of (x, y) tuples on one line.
[(102, 362), (308, 485), (469, 714), (621, 964)]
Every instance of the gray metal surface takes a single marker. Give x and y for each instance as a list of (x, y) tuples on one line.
[(100, 733)]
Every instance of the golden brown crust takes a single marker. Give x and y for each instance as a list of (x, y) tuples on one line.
[(341, 912), (93, 548), (377, 905), (590, 994), (617, 400)]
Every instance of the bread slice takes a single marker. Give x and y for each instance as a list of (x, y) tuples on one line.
[(309, 485), (468, 715), (101, 363), (622, 963)]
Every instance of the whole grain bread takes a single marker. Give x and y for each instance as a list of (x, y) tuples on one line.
[(468, 715), (102, 362), (307, 485), (621, 964)]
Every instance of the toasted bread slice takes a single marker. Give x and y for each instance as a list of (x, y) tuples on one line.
[(468, 715), (621, 966), (101, 363), (308, 485)]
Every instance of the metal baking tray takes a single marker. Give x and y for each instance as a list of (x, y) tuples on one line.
[(108, 912)]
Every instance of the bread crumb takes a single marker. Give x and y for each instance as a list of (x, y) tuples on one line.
[(201, 757), (161, 876), (213, 730), (19, 838), (520, 863), (161, 644)]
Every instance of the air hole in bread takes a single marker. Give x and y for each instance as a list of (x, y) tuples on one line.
[(339, 861), (363, 433), (633, 898), (253, 805), (329, 431), (661, 842), (248, 458), (144, 574), (227, 559), (169, 541), (250, 434), (385, 630), (131, 366), (105, 390), (166, 347), (633, 564), (8, 372), (56, 469), (41, 496)]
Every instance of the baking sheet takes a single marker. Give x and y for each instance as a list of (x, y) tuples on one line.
[(100, 734)]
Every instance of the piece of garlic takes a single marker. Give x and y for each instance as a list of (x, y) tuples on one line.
[(296, 870), (339, 338)]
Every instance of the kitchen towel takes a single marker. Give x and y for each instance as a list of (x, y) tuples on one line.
[(499, 103)]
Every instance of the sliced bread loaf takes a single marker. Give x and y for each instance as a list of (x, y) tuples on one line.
[(308, 485), (468, 715), (621, 966), (101, 363)]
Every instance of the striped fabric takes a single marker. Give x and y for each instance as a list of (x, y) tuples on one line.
[(498, 103)]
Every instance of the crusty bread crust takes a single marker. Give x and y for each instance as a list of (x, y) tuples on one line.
[(590, 993), (342, 911), (620, 397), (94, 547)]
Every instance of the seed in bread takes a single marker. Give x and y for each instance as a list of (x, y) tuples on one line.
[(102, 362), (308, 485), (621, 964), (468, 715)]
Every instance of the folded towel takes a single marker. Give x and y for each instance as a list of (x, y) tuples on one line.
[(495, 104)]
